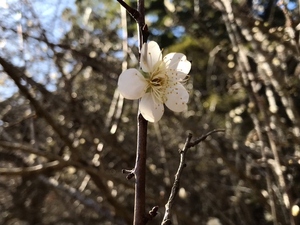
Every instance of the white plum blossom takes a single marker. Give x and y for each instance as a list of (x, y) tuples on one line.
[(160, 82)]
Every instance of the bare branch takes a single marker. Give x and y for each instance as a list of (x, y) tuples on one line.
[(202, 138), (28, 149), (176, 185), (139, 170), (131, 11), (37, 169)]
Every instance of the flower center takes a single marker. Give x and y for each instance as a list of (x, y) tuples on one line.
[(157, 82), (158, 85)]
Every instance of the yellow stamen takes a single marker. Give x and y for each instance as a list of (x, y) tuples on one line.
[(158, 82)]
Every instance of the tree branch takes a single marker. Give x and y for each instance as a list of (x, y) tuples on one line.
[(139, 170), (131, 11), (37, 169), (176, 185), (203, 137)]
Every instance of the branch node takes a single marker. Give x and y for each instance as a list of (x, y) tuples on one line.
[(129, 176), (131, 173), (153, 211)]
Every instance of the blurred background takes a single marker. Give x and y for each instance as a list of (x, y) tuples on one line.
[(66, 133)]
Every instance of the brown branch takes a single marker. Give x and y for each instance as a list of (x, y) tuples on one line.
[(131, 11), (176, 185), (30, 170), (139, 170), (203, 137), (28, 149), (141, 154), (55, 162)]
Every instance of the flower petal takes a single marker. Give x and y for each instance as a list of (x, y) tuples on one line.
[(150, 109), (177, 98), (150, 55), (176, 75), (178, 62), (132, 84)]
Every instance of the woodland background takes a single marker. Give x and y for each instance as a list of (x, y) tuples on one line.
[(58, 96)]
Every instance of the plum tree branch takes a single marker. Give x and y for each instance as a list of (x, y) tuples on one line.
[(141, 154), (176, 185), (139, 170), (30, 170)]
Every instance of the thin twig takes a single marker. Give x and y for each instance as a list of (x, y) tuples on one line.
[(176, 185), (203, 137), (32, 170)]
